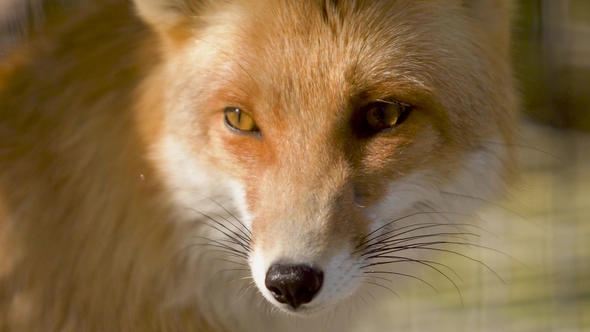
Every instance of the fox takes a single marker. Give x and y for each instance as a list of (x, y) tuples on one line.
[(242, 165)]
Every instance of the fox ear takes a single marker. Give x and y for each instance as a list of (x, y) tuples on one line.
[(167, 15), (494, 17)]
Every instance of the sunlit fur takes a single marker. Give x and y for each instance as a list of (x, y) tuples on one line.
[(127, 204)]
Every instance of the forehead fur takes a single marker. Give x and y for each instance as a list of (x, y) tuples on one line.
[(405, 48), (310, 54)]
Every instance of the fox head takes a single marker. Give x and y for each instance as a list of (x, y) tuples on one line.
[(327, 123)]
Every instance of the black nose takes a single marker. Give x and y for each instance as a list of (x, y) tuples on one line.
[(293, 284)]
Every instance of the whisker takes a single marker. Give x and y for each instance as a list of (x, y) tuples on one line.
[(456, 225), (388, 224), (419, 205), (246, 237), (242, 292), (407, 259), (390, 242), (403, 275), (228, 242), (496, 205), (389, 238), (243, 241), (417, 226), (472, 216), (227, 270), (371, 295), (230, 261), (394, 247), (221, 249), (386, 245), (219, 244), (234, 240), (402, 218), (424, 247), (428, 264), (231, 214), (525, 147), (225, 251), (389, 289)]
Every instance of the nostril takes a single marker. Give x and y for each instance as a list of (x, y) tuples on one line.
[(293, 284)]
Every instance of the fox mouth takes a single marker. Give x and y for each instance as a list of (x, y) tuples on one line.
[(304, 310), (307, 289), (314, 308), (302, 280)]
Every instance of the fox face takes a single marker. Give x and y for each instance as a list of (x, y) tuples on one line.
[(323, 146), (327, 123)]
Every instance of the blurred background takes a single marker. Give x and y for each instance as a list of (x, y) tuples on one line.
[(553, 59), (542, 228)]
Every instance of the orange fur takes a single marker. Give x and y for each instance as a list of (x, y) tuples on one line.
[(95, 228)]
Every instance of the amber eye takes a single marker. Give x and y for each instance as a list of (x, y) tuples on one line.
[(238, 120), (383, 114)]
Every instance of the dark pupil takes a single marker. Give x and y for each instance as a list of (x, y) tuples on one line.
[(383, 116), (380, 114)]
